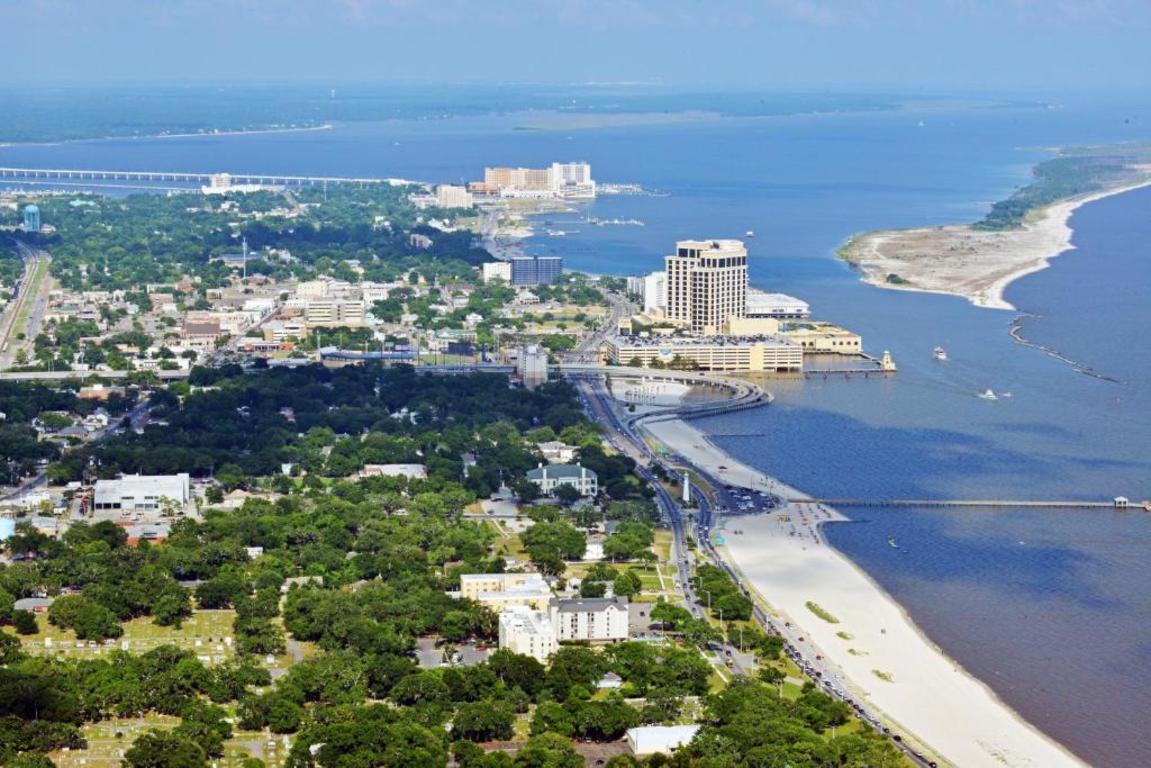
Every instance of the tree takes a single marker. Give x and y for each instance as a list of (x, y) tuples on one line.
[(548, 750), (25, 622), (158, 749), (551, 717), (483, 721), (627, 584), (605, 720), (517, 670), (567, 494)]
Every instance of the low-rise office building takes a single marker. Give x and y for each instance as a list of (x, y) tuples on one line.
[(142, 493), (824, 337)]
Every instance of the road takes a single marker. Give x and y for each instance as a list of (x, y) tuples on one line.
[(623, 435), (587, 351), (31, 299)]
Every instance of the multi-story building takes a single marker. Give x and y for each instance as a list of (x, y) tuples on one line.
[(449, 196), (572, 180), (718, 353), (536, 270), (497, 270), (551, 476), (142, 493), (502, 590), (598, 619), (651, 289), (527, 632), (532, 366), (334, 312), (706, 284)]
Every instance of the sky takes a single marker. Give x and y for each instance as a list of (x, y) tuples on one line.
[(973, 45)]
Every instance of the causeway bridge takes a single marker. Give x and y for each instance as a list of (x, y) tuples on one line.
[(184, 177)]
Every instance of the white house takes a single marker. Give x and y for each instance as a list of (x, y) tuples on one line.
[(556, 452), (550, 476)]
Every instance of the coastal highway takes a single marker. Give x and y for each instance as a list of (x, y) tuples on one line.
[(624, 436)]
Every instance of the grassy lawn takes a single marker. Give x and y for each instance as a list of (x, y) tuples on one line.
[(205, 632)]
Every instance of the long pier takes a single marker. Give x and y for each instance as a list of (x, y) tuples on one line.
[(184, 177), (991, 503)]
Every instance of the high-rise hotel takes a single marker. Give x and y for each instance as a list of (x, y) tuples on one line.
[(706, 284)]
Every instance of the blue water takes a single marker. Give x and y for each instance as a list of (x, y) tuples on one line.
[(1053, 609)]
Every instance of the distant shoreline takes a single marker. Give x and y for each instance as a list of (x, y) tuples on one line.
[(187, 135)]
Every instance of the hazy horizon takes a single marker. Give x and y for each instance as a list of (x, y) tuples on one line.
[(986, 46)]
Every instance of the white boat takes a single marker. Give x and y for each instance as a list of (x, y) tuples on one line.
[(940, 353), (750, 233), (988, 394)]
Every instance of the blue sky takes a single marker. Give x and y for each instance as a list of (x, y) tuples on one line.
[(983, 45)]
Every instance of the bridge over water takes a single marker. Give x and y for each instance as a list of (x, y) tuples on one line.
[(184, 177)]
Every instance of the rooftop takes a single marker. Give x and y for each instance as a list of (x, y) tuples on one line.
[(560, 471), (590, 604), (699, 341)]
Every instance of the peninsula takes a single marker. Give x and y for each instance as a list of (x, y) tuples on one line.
[(1017, 237)]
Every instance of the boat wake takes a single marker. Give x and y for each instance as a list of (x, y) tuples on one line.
[(1017, 336)]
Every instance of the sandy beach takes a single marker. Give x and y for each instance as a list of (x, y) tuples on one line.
[(962, 261), (882, 655)]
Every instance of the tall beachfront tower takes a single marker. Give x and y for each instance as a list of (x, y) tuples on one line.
[(31, 218), (706, 284)]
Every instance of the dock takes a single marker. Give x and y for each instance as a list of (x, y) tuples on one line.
[(976, 503)]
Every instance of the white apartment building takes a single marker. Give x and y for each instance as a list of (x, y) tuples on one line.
[(497, 270), (706, 284), (528, 632), (448, 196), (598, 619)]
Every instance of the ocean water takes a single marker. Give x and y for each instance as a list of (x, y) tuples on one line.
[(1052, 609)]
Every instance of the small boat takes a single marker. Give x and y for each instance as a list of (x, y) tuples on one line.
[(939, 353), (988, 394), (892, 543), (749, 233)]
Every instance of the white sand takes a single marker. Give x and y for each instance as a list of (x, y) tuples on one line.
[(930, 697), (967, 262)]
